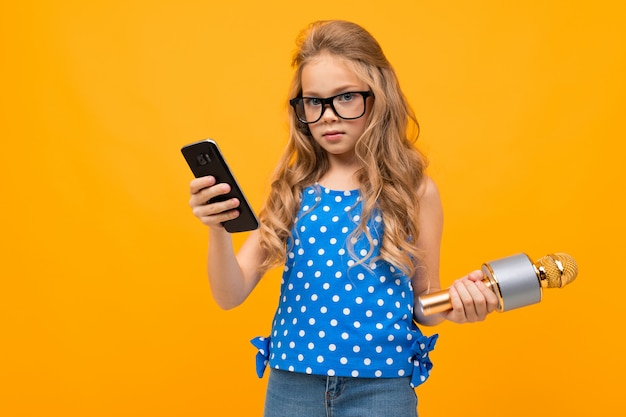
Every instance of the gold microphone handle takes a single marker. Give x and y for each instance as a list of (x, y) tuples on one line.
[(434, 303)]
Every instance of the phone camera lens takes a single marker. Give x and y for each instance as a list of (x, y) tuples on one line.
[(203, 159)]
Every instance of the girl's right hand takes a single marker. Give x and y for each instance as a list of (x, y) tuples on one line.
[(211, 214)]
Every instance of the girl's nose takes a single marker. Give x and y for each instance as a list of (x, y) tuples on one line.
[(329, 113)]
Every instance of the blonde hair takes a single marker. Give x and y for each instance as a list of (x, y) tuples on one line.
[(392, 169)]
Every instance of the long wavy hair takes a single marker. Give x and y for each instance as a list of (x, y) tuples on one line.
[(391, 171)]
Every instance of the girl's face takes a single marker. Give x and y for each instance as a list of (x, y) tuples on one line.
[(328, 76)]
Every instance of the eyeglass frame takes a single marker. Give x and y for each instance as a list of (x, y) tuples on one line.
[(329, 101)]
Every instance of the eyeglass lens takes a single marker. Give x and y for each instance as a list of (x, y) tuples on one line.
[(346, 106)]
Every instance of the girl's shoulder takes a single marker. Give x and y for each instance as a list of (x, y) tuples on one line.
[(429, 199), (428, 192), (428, 188)]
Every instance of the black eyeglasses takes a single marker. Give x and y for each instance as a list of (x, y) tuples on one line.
[(348, 106)]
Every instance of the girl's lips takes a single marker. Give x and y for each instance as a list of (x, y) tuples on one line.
[(333, 135)]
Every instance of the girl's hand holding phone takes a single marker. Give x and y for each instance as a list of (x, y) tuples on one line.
[(206, 161), (212, 214)]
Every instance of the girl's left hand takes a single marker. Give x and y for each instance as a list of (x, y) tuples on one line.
[(471, 299)]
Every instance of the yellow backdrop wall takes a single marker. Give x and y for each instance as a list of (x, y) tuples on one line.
[(104, 304)]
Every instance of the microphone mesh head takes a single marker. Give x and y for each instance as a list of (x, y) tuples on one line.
[(559, 268)]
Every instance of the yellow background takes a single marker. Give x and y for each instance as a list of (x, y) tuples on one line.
[(104, 304)]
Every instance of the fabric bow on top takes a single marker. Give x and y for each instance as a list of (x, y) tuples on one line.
[(421, 362), (263, 356)]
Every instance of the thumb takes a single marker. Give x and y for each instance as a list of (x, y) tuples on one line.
[(476, 275)]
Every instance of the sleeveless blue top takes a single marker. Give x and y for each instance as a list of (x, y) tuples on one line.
[(336, 316)]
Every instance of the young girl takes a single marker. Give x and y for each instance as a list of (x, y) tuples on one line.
[(357, 225)]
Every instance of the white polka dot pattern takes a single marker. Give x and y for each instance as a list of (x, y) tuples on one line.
[(335, 315)]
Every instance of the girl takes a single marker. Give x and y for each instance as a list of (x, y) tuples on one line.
[(357, 225)]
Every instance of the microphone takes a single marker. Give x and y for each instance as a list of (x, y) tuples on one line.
[(516, 281)]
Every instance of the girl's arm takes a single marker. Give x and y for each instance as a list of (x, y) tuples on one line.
[(470, 297), (232, 277), (426, 279)]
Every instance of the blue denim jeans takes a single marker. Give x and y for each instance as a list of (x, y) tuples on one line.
[(292, 394)]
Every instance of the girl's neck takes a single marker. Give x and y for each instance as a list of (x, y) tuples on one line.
[(340, 176)]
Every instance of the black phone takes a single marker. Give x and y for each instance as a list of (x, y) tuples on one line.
[(205, 158)]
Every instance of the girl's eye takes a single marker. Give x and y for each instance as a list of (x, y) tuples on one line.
[(312, 101), (346, 97)]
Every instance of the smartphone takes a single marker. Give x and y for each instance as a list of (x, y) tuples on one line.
[(205, 158)]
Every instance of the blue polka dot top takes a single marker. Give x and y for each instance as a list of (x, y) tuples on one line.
[(336, 316)]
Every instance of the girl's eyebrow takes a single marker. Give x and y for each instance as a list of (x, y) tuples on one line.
[(343, 89)]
